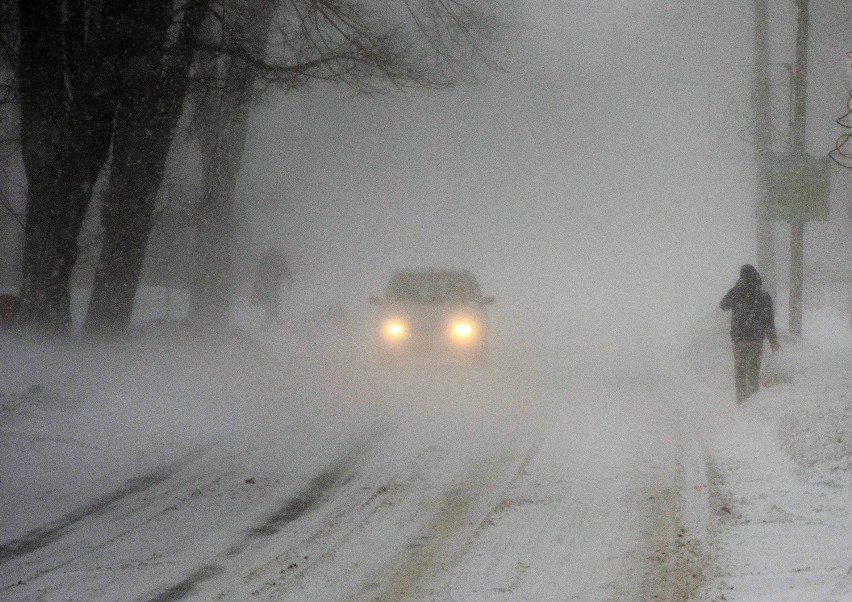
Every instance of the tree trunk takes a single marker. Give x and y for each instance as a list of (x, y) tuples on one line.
[(50, 251), (799, 137), (139, 153), (223, 120), (154, 85), (66, 119), (212, 285), (762, 100)]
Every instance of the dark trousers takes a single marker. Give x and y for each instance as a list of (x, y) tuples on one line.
[(747, 357), (273, 309)]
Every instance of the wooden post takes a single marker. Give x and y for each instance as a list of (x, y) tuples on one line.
[(798, 137), (762, 96)]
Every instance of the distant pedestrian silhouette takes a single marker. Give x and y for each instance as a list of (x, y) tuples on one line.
[(272, 273)]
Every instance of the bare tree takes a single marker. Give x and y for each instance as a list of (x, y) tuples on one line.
[(108, 79), (220, 125), (430, 44), (148, 105), (65, 70)]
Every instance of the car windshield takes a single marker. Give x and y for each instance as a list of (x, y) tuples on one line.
[(432, 287)]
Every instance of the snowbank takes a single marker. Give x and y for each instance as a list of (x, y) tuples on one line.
[(780, 470)]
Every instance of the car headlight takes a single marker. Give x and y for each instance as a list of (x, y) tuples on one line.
[(395, 329), (463, 331)]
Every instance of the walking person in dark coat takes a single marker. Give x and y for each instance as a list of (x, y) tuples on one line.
[(272, 272), (752, 320)]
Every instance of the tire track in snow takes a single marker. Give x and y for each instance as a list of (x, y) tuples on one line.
[(843, 589), (677, 559), (52, 532), (463, 510), (537, 529), (351, 512), (318, 491), (181, 590)]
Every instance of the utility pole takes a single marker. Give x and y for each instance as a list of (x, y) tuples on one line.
[(798, 137), (761, 100)]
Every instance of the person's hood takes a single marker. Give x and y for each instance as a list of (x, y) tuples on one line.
[(750, 276)]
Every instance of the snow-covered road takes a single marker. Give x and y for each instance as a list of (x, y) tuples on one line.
[(305, 475)]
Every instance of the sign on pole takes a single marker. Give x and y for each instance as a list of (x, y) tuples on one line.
[(798, 187)]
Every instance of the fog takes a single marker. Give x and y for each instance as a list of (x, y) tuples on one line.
[(601, 187), (587, 184)]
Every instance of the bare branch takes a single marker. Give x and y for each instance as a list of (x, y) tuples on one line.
[(842, 152), (431, 43)]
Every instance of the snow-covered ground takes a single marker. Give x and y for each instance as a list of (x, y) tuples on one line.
[(780, 477), (286, 465)]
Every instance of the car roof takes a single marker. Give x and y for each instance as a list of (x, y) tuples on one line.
[(430, 284), (436, 272)]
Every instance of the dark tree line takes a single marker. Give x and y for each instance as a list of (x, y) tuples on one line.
[(102, 86)]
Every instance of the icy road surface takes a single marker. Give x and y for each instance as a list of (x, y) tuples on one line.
[(335, 479)]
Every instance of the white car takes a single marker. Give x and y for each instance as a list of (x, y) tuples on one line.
[(438, 312)]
